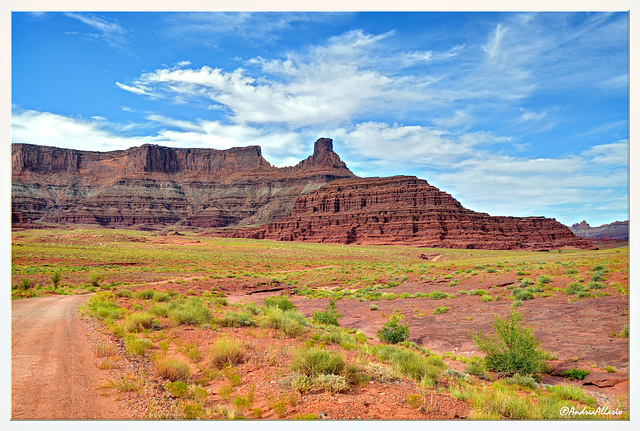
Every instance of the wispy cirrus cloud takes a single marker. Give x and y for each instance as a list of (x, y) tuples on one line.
[(110, 32)]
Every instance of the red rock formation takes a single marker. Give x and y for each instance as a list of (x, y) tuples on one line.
[(407, 210), (618, 230), (154, 185)]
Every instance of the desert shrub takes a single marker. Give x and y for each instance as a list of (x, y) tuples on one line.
[(595, 285), (414, 400), (373, 307), (226, 351), (544, 279), (440, 310), (160, 296), (139, 322), (102, 306), (513, 348), (575, 288), (392, 332), (235, 320), (526, 381), (486, 298), (455, 374), (25, 284), (172, 369), (522, 295), (136, 346), (290, 322), (598, 268), (435, 295), (491, 270), (177, 389), (144, 294), (526, 282), (575, 374), (477, 368), (191, 411), (328, 317), (159, 309), (479, 292), (281, 302), (96, 278), (330, 383), (610, 369), (598, 276), (56, 277), (571, 271), (314, 362), (301, 383), (251, 308), (191, 312), (123, 292)]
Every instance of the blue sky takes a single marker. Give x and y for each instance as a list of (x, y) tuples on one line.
[(512, 113)]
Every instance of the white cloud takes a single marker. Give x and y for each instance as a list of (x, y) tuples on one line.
[(112, 33), (45, 128)]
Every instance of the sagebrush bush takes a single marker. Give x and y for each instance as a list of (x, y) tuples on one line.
[(513, 348), (392, 332), (575, 374), (330, 383), (281, 302), (441, 310), (56, 277), (172, 369), (522, 295), (328, 317), (226, 351), (313, 362), (191, 312), (144, 294), (575, 288), (234, 320), (290, 322), (140, 322)]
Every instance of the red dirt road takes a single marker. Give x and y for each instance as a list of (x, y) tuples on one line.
[(53, 373)]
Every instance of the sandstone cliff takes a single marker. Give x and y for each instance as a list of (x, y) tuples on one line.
[(618, 230), (407, 210), (154, 185)]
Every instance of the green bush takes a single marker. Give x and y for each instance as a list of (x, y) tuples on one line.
[(172, 369), (328, 317), (25, 284), (281, 302), (226, 351), (177, 389), (522, 295), (544, 279), (512, 349), (479, 292), (392, 332), (440, 310), (435, 295), (314, 362), (234, 320), (191, 312), (526, 282), (140, 322), (373, 307), (144, 294), (596, 285), (123, 292), (56, 277), (290, 322), (598, 276), (575, 374), (95, 279), (330, 383), (575, 288)]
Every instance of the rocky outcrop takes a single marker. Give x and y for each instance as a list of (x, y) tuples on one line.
[(618, 230), (407, 210), (155, 185)]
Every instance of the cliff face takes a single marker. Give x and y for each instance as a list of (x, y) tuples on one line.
[(157, 185), (618, 230), (407, 210)]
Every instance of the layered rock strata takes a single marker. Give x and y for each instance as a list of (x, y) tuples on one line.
[(618, 230), (155, 185), (407, 210)]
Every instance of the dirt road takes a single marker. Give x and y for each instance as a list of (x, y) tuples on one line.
[(52, 365)]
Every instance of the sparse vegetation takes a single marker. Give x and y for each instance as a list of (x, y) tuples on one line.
[(392, 332)]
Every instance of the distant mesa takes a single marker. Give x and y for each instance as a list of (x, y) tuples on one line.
[(618, 230), (318, 200)]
